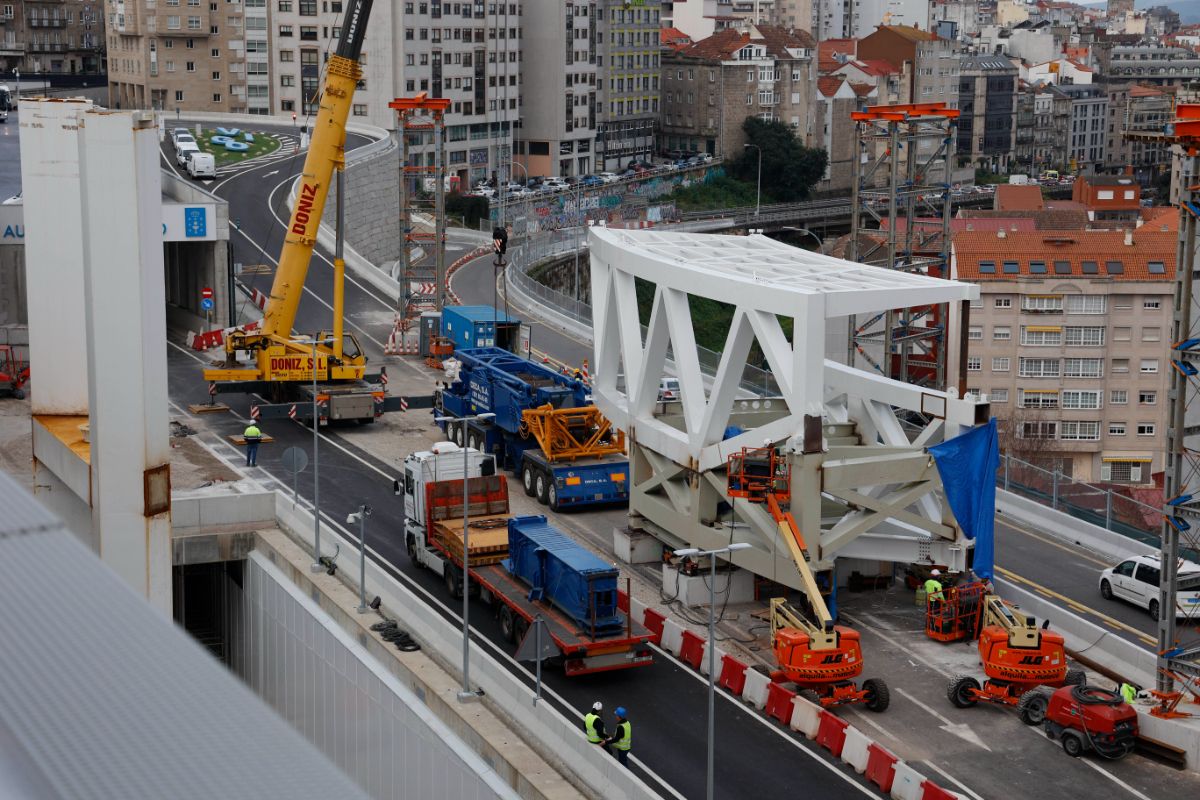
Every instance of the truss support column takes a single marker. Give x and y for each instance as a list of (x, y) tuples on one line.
[(860, 129), (889, 325), (439, 208), (405, 216)]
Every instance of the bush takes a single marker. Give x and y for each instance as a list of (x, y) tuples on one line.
[(471, 209)]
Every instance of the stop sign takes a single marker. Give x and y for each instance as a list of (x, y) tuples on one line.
[(206, 293)]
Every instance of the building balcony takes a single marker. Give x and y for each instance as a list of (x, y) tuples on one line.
[(51, 22), (46, 47)]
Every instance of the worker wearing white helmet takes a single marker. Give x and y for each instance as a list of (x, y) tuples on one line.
[(593, 724), (933, 587)]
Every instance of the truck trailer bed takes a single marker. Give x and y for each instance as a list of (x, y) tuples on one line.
[(583, 653)]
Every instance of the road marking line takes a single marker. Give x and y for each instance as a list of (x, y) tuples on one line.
[(876, 627), (941, 718), (953, 780), (1110, 621), (1113, 778)]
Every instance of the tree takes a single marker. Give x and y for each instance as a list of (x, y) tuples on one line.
[(789, 169)]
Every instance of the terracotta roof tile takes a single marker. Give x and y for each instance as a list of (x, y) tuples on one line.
[(829, 84), (909, 32), (1081, 254), (723, 44), (674, 38), (1012, 197)]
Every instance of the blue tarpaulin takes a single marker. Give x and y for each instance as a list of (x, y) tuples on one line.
[(967, 464)]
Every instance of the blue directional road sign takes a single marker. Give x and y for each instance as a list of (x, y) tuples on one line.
[(206, 304)]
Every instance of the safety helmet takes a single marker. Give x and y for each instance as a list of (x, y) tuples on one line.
[(935, 572), (620, 711), (597, 706)]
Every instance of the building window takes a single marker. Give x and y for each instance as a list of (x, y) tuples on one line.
[(1148, 366), (287, 55), (287, 105), (360, 109), (1002, 333), (976, 303), (1145, 429), (1080, 431), (1042, 429), (1085, 337), (191, 66), (1042, 303), (308, 8), (216, 76), (975, 333), (1041, 336), (216, 97), (1122, 334), (974, 363), (1121, 471), (1032, 398), (1147, 398), (1118, 397), (1086, 304), (1151, 334), (1122, 302), (1039, 367), (287, 80), (1120, 365), (178, 96), (1001, 364), (999, 396), (1116, 429), (1003, 302), (1151, 304), (285, 30)]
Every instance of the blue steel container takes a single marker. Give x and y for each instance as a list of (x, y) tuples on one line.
[(564, 574)]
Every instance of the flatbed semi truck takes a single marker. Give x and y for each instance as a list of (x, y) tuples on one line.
[(521, 566)]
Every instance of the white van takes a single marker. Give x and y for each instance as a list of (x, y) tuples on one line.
[(182, 150), (201, 165)]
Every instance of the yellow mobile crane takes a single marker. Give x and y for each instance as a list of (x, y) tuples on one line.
[(282, 367)]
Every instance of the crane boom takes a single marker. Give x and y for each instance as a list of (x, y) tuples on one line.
[(326, 154)]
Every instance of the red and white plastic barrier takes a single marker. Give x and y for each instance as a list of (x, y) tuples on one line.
[(207, 340), (883, 769)]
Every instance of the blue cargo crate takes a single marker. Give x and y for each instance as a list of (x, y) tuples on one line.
[(584, 484), (561, 572), (479, 326)]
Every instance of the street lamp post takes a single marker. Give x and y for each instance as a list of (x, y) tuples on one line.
[(820, 244), (360, 517), (316, 426), (712, 642), (466, 695), (758, 187)]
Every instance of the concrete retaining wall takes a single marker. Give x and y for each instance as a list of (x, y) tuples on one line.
[(558, 738), (1069, 529)]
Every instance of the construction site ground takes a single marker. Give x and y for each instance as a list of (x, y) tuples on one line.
[(983, 752)]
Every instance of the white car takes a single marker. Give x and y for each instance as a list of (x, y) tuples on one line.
[(181, 152), (668, 389), (1136, 581), (608, 177), (554, 184), (182, 135)]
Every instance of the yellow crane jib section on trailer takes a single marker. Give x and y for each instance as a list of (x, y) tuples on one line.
[(569, 433), (273, 349)]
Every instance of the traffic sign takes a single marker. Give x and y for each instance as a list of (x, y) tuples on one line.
[(295, 459), (206, 293), (206, 304)]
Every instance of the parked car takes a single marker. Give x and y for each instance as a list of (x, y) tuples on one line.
[(591, 180), (201, 165), (182, 149), (608, 177), (183, 133), (1135, 580), (668, 389), (554, 184)]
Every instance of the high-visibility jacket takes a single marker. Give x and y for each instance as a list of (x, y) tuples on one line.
[(624, 736), (589, 724), (252, 434), (1128, 693), (933, 590)]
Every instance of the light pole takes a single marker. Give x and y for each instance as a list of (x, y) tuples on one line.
[(758, 188), (712, 644), (316, 426), (820, 244), (360, 517), (466, 695)]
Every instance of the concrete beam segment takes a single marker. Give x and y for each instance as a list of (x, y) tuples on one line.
[(54, 251), (126, 334)]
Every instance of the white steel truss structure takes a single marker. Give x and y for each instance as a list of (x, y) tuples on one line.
[(870, 488)]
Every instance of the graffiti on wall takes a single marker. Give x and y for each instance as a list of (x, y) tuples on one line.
[(614, 205)]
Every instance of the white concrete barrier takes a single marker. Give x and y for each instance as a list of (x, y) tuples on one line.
[(1180, 733), (806, 717), (907, 785), (672, 637), (1069, 529), (755, 691), (854, 751), (704, 660), (227, 510), (547, 727)]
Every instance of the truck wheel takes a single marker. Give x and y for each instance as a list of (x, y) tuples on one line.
[(961, 691), (474, 443), (520, 628), (507, 626), (453, 586), (542, 487), (527, 480), (877, 696), (552, 498), (460, 435), (1031, 708), (1072, 744)]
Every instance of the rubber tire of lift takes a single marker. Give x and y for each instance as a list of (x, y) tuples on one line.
[(1075, 677), (453, 583), (1106, 590), (1153, 609), (527, 480), (552, 496), (18, 394), (1072, 744), (957, 691), (811, 695), (1031, 708), (507, 624), (878, 697), (541, 482)]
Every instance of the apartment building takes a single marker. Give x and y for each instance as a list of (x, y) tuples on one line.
[(987, 100), (1089, 115), (700, 19), (1069, 340), (628, 62), (1133, 108), (710, 88), (559, 90), (1043, 121), (930, 63), (51, 36)]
